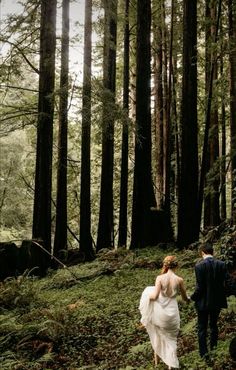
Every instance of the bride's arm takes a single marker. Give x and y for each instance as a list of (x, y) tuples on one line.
[(183, 291), (153, 296)]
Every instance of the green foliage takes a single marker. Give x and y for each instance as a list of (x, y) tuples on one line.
[(228, 250), (70, 323), (224, 237), (20, 292), (15, 186), (8, 234)]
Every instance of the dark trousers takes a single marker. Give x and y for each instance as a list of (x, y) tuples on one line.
[(205, 317)]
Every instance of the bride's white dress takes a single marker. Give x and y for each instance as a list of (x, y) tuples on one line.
[(161, 318)]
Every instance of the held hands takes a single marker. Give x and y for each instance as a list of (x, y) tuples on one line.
[(188, 300), (184, 300)]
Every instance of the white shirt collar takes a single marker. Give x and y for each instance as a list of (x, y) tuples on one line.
[(207, 256)]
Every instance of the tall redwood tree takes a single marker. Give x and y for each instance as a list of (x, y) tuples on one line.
[(86, 246), (232, 60), (211, 200), (122, 240), (43, 173), (60, 241), (105, 237), (145, 228), (188, 191)]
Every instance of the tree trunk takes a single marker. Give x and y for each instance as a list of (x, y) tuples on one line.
[(187, 217), (207, 198), (86, 246), (207, 126), (165, 101), (223, 213), (158, 106), (175, 124), (232, 61), (43, 173), (145, 227), (125, 137), (60, 241), (105, 237), (168, 136), (211, 202)]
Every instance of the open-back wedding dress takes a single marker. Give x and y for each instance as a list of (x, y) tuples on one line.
[(161, 317)]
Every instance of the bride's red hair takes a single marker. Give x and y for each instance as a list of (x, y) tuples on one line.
[(169, 262)]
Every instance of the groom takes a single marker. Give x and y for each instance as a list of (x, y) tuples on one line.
[(209, 296)]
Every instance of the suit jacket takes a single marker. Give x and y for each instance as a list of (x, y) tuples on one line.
[(210, 292)]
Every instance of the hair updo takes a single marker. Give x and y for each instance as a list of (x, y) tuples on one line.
[(169, 262)]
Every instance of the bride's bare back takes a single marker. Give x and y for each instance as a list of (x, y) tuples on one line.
[(169, 285)]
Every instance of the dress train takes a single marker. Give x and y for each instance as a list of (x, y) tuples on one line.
[(162, 322)]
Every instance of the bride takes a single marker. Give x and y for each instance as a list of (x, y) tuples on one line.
[(160, 313)]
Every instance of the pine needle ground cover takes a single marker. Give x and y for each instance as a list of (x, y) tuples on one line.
[(87, 317)]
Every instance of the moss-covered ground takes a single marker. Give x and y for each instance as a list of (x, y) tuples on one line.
[(87, 317)]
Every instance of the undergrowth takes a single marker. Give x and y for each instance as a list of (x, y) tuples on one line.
[(78, 318)]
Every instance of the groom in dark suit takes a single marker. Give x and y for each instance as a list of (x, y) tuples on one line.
[(209, 296)]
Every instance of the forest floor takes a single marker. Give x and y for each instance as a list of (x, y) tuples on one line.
[(86, 316)]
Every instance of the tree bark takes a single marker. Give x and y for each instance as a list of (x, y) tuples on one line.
[(232, 61), (146, 221), (207, 126), (60, 241), (158, 106), (211, 201), (168, 138), (86, 246), (43, 173), (165, 100), (122, 240), (223, 213), (207, 208), (105, 238), (187, 217)]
